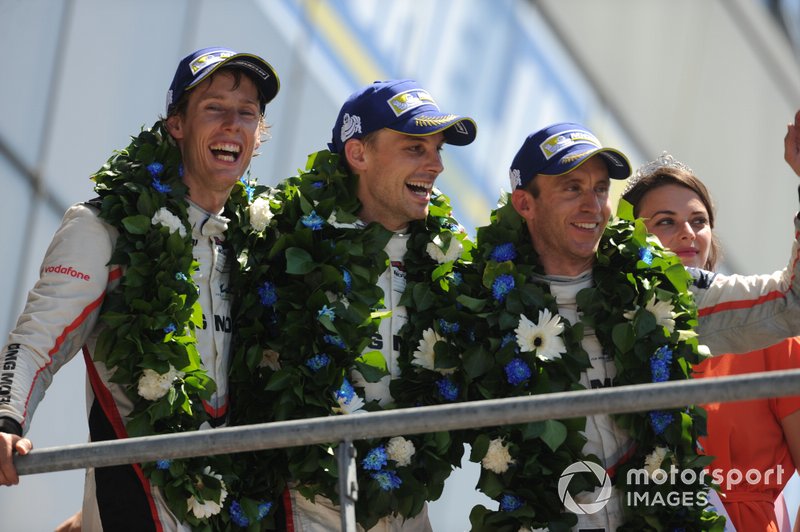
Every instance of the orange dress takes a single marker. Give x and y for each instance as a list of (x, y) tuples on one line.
[(748, 435)]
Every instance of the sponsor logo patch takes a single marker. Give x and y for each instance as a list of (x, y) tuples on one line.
[(410, 99)]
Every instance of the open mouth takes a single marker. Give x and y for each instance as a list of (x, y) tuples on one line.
[(585, 225), (420, 188), (226, 152)]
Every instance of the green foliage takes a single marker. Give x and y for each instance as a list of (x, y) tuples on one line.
[(632, 274), (151, 315), (322, 265)]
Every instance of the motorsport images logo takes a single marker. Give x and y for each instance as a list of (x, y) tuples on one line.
[(584, 467)]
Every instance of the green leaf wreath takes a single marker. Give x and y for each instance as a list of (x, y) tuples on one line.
[(309, 306), (150, 318), (497, 333)]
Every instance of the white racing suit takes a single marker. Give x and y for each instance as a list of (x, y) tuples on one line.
[(737, 314), (322, 515), (61, 318)]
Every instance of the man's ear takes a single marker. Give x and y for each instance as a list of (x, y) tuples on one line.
[(355, 152), (522, 200), (175, 126)]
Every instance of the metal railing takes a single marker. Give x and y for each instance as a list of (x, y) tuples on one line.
[(345, 429)]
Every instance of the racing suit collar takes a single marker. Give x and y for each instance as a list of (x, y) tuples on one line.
[(205, 223)]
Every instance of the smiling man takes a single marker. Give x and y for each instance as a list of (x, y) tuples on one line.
[(214, 115), (390, 135), (560, 180)]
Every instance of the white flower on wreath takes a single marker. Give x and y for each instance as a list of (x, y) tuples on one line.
[(663, 311), (541, 337), (437, 253), (260, 213), (270, 359), (425, 355), (153, 385), (205, 509), (168, 220), (373, 391), (525, 529), (400, 450), (348, 405), (497, 457), (653, 461), (333, 221)]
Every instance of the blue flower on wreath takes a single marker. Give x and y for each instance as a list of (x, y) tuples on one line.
[(457, 279), (318, 184), (161, 187), (345, 392), (660, 363), (517, 372), (263, 510), (509, 503), (240, 518), (348, 281), (312, 221), (502, 285), (504, 252), (509, 338), (155, 169), (376, 459), (170, 328), (448, 328), (163, 464), (447, 389), (334, 340), (180, 276), (646, 255), (180, 170), (660, 420), (247, 188), (317, 362), (267, 294), (326, 312), (387, 480)]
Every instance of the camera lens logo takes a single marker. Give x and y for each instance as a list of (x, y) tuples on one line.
[(584, 467)]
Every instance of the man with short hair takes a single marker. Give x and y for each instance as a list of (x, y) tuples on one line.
[(560, 181), (118, 282), (389, 136)]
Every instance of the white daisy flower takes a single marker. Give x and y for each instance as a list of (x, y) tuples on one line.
[(153, 386), (425, 356), (664, 313), (541, 337), (205, 509), (400, 450), (441, 256), (497, 457), (168, 220), (260, 214)]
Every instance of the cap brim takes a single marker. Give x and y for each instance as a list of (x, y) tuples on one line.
[(458, 130), (262, 72), (618, 165)]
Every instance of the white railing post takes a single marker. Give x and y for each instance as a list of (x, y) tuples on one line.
[(348, 484)]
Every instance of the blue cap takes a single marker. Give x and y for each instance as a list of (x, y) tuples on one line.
[(561, 148), (198, 65), (402, 106)]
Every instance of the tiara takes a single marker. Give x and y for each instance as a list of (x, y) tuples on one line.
[(665, 160)]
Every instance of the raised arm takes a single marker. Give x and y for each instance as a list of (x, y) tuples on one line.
[(741, 313)]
